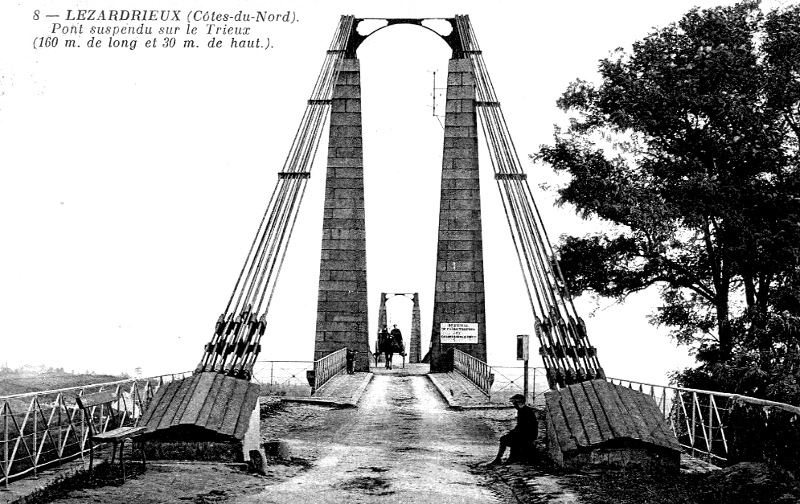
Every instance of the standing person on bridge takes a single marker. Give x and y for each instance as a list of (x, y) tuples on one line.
[(385, 346), (395, 344), (521, 437)]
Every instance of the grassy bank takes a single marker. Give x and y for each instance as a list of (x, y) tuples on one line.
[(21, 381)]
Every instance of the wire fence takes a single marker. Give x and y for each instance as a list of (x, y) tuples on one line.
[(510, 380), (283, 378)]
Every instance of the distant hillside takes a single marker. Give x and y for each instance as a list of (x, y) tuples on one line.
[(20, 381)]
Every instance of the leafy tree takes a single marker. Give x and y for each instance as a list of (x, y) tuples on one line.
[(688, 150)]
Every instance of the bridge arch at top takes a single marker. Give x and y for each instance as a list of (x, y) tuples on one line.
[(450, 37)]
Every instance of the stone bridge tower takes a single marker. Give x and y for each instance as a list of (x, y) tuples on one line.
[(459, 297), (459, 306), (342, 299)]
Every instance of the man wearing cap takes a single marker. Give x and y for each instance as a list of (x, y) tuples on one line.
[(524, 434)]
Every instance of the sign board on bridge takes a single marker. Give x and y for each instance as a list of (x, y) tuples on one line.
[(457, 332), (522, 346)]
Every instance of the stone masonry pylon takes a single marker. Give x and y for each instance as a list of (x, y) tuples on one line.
[(415, 350), (342, 301), (459, 296), (382, 312)]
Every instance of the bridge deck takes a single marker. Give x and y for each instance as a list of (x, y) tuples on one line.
[(460, 393), (345, 390)]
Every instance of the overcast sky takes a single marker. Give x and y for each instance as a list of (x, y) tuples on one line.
[(133, 180)]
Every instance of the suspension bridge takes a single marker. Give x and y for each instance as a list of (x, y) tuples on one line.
[(589, 417)]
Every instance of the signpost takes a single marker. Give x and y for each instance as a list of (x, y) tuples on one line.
[(522, 354)]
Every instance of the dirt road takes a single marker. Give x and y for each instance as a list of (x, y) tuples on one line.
[(402, 444)]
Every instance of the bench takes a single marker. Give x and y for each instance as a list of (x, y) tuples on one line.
[(100, 416)]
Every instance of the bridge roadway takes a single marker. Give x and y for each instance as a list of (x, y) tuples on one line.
[(402, 444), (456, 390)]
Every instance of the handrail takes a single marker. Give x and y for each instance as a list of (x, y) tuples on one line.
[(326, 368), (41, 429), (751, 400), (475, 370), (715, 424)]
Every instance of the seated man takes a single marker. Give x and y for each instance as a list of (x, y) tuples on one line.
[(524, 434)]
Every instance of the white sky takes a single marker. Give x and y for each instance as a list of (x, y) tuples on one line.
[(132, 182)]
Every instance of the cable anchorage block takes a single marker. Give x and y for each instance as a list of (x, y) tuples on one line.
[(511, 176), (479, 103), (294, 175), (319, 102)]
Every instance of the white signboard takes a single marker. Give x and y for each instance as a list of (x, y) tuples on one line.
[(457, 332)]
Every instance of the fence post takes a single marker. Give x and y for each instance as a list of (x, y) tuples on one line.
[(525, 378), (60, 401), (710, 426), (5, 442), (82, 442), (35, 440), (694, 420), (271, 373)]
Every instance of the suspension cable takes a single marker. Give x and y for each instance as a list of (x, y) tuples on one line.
[(565, 347), (235, 344)]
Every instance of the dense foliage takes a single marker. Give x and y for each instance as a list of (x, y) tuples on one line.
[(687, 150)]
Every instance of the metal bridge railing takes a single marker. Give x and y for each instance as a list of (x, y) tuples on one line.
[(475, 370), (42, 429), (716, 425), (326, 368)]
